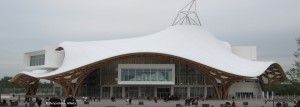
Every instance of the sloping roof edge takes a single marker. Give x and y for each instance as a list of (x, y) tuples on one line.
[(190, 42)]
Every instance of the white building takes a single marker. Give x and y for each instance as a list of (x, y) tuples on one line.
[(182, 60)]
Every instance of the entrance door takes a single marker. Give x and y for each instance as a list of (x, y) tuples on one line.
[(105, 92), (131, 92), (147, 92), (163, 92)]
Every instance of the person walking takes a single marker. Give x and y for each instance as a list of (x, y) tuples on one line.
[(298, 103), (70, 101), (38, 101), (46, 102), (155, 99), (55, 102), (127, 101), (130, 100), (98, 99), (19, 99), (233, 104)]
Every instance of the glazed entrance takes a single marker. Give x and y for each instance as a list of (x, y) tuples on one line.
[(189, 80)]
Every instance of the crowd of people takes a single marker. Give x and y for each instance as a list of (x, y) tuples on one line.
[(91, 99), (71, 102), (54, 101), (3, 103)]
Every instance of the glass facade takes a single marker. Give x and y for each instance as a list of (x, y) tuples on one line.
[(103, 81), (37, 60), (163, 92), (197, 91), (132, 92), (138, 74), (147, 92), (117, 92), (180, 92), (106, 92)]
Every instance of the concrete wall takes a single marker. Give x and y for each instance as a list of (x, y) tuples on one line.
[(243, 86), (53, 58)]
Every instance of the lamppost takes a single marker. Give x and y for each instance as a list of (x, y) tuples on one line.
[(14, 92), (85, 90), (0, 93)]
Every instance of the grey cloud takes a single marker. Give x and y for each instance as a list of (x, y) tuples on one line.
[(271, 25)]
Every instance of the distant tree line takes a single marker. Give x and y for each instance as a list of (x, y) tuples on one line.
[(10, 87), (291, 87), (284, 88)]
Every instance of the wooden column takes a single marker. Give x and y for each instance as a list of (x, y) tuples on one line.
[(31, 89)]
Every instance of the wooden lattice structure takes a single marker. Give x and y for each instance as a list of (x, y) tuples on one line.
[(28, 82)]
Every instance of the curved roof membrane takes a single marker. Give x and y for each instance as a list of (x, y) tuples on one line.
[(186, 41)]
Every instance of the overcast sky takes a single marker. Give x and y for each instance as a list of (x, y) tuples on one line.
[(28, 25)]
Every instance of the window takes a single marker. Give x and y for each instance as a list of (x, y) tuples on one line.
[(169, 74), (124, 75), (153, 73), (37, 60), (161, 75), (147, 74), (139, 74), (131, 75)]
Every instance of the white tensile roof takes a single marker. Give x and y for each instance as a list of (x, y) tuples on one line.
[(191, 42)]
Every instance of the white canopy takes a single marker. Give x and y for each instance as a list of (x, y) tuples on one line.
[(186, 41)]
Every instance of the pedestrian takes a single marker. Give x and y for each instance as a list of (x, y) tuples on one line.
[(278, 104), (298, 103), (55, 102), (38, 101), (112, 99), (4, 103), (98, 99), (130, 100), (233, 104), (266, 101), (47, 103), (155, 99), (19, 98), (70, 101), (26, 99), (127, 101)]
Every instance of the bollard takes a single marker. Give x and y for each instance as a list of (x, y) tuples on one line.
[(86, 102), (178, 105), (245, 104), (205, 105), (141, 102), (223, 105)]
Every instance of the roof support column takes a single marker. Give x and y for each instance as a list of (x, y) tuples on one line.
[(31, 88), (71, 82), (72, 87)]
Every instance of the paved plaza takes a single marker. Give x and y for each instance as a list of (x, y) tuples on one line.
[(161, 103)]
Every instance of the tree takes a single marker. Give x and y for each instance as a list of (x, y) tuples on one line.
[(294, 72), (5, 83)]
